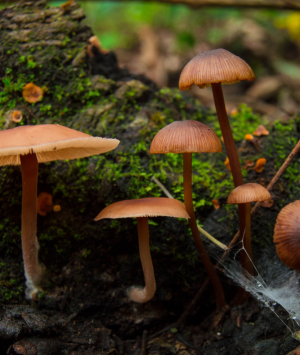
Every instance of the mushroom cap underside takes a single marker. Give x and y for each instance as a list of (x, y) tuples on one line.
[(50, 142), (248, 193), (185, 137), (215, 66), (144, 207)]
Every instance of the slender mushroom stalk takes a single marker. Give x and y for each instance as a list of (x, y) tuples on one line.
[(138, 294), (30, 245), (244, 195), (187, 186), (247, 241), (142, 209), (233, 161), (28, 146), (212, 68), (187, 137)]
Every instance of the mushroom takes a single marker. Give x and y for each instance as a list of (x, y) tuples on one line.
[(287, 235), (260, 165), (141, 209), (214, 68), (17, 116), (29, 146), (187, 137), (32, 93), (44, 203), (245, 194)]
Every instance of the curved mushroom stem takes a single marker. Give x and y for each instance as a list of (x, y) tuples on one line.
[(187, 186), (138, 294), (30, 245)]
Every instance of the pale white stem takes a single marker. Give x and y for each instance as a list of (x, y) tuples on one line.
[(206, 234), (30, 245), (136, 293)]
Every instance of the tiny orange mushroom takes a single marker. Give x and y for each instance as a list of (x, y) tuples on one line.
[(261, 131), (260, 164), (248, 137), (16, 116), (227, 164), (216, 203), (44, 203), (267, 203), (94, 42), (248, 163), (56, 208), (32, 93)]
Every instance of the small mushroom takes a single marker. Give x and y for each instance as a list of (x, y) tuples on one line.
[(245, 194), (261, 131), (17, 116), (187, 137), (227, 164), (260, 165), (141, 209), (287, 235), (44, 203), (32, 93), (29, 146), (214, 68)]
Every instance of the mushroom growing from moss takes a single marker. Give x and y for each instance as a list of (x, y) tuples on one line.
[(214, 68), (29, 146), (245, 194), (287, 235), (32, 93), (44, 203), (141, 209), (187, 137)]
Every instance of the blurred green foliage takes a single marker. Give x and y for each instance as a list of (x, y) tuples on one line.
[(117, 24)]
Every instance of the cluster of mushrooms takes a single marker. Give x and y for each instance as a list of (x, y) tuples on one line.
[(30, 145)]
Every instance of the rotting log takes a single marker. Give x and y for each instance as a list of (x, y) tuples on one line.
[(93, 263)]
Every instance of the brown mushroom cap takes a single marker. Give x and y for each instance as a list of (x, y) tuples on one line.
[(215, 66), (248, 193), (144, 207), (287, 235), (185, 137), (50, 142), (32, 93)]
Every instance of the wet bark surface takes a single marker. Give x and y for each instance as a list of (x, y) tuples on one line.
[(85, 308)]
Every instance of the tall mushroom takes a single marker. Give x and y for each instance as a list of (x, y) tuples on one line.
[(245, 194), (287, 235), (141, 209), (29, 146), (189, 137), (214, 68)]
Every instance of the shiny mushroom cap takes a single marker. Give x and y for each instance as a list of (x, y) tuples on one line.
[(248, 193), (144, 207), (216, 66), (287, 235), (185, 137), (50, 142)]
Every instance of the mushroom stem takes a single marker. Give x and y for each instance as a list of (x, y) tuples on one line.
[(232, 155), (30, 245), (227, 135), (247, 241), (187, 186), (145, 294)]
